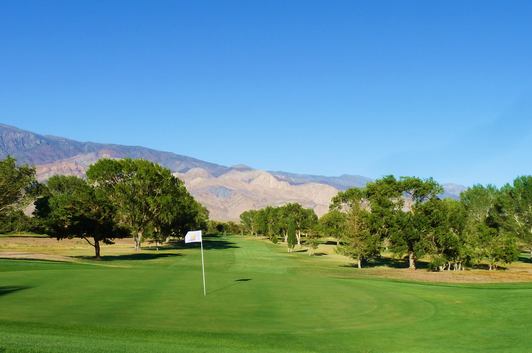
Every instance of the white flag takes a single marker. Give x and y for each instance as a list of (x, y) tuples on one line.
[(193, 236)]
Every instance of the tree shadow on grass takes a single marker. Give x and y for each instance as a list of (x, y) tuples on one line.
[(5, 290), (139, 256), (389, 262), (208, 244), (486, 267)]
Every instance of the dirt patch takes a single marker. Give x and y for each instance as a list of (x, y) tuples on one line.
[(517, 274), (35, 256)]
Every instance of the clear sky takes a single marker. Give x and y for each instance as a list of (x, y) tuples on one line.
[(424, 88)]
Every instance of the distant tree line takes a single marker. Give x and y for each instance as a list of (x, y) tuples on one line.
[(289, 223), (407, 217), (119, 198)]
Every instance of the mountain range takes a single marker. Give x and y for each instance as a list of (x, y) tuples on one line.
[(225, 191)]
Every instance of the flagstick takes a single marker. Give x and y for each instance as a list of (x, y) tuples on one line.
[(203, 269)]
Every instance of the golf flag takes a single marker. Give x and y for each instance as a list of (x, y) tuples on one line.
[(193, 236)]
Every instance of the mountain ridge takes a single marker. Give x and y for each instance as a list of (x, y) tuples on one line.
[(225, 191)]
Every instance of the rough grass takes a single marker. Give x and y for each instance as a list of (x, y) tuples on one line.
[(260, 299)]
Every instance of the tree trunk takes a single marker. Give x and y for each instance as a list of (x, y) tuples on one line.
[(359, 262), (97, 249), (411, 260), (138, 241), (298, 236), (337, 241)]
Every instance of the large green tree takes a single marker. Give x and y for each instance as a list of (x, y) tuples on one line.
[(394, 212), (148, 198), (73, 208)]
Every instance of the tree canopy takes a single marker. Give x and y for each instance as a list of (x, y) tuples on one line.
[(73, 208), (149, 200)]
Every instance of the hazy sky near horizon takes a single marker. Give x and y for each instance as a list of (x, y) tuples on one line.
[(424, 88)]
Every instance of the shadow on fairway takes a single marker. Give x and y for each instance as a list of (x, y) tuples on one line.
[(208, 244), (389, 262), (486, 267), (11, 289), (140, 256), (231, 284)]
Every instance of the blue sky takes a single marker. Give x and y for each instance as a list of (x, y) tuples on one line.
[(425, 88)]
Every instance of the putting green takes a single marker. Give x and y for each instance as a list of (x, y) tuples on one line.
[(259, 299)]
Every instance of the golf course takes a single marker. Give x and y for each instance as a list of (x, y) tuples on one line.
[(259, 299)]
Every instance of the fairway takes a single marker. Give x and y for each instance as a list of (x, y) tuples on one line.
[(259, 299)]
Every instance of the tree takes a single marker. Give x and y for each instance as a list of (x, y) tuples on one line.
[(442, 222), (332, 224), (385, 201), (501, 248), (291, 238), (148, 198), (72, 208), (15, 221), (304, 218), (513, 210), (358, 242), (248, 220), (490, 224), (478, 201), (397, 220), (313, 239), (344, 200), (17, 184)]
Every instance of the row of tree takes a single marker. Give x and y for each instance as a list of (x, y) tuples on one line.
[(290, 222), (407, 217), (119, 198)]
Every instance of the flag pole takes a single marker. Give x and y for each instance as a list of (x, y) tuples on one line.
[(203, 269)]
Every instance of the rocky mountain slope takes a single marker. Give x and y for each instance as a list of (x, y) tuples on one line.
[(35, 149), (225, 191)]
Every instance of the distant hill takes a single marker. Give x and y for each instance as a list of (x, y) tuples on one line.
[(225, 191), (35, 149), (342, 182)]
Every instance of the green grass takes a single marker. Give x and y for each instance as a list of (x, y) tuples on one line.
[(260, 299)]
